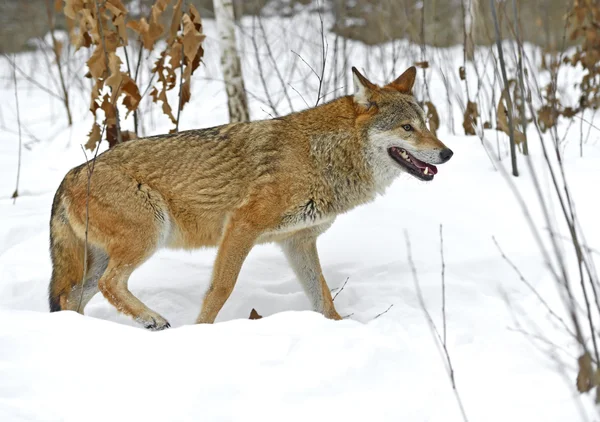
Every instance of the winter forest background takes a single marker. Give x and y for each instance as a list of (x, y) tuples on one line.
[(474, 297)]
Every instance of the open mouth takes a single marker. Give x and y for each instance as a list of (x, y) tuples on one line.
[(414, 166)]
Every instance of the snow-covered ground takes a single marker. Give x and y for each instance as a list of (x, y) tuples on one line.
[(294, 365)]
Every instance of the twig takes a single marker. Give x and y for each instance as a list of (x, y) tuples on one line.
[(384, 312), (179, 104), (340, 290), (543, 340), (520, 74), (31, 80), (275, 66), (261, 72), (443, 284), (509, 104), (301, 96), (324, 48), (434, 331), (533, 289), (305, 62), (90, 172), (16, 193), (58, 62)]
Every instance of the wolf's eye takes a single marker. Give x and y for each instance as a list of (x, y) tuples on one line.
[(407, 128)]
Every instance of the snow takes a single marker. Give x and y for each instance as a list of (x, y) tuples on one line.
[(293, 364)]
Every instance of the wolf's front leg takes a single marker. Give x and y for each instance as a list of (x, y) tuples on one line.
[(236, 243), (301, 252)]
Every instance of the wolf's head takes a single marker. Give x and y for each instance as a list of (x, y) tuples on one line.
[(395, 129)]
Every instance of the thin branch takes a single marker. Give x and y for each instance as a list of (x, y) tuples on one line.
[(31, 80), (443, 284), (520, 77), (509, 104), (433, 329), (55, 49), (275, 66), (340, 290), (305, 62), (179, 104), (16, 193), (261, 72), (301, 96), (533, 290), (135, 112), (384, 312), (90, 172), (324, 48)]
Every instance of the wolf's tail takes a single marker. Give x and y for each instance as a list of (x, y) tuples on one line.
[(66, 251)]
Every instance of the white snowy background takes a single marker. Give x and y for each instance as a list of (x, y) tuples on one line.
[(294, 365)]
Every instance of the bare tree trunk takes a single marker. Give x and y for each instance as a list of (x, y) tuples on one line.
[(237, 101), (470, 17)]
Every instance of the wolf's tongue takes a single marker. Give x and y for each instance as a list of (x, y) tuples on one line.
[(420, 164)]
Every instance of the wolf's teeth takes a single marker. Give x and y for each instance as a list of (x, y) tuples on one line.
[(426, 170), (404, 155)]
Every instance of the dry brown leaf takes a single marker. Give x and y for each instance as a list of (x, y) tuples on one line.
[(115, 80), (186, 94), (139, 27), (110, 112), (422, 65), (585, 376), (254, 314), (502, 120), (119, 23), (192, 39), (112, 135), (95, 96), (195, 15), (161, 5), (162, 96), (175, 54), (116, 7), (470, 118), (72, 7), (132, 94), (80, 39), (462, 73), (175, 21), (93, 137), (97, 63)]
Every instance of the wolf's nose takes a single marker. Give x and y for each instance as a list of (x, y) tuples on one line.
[(446, 154)]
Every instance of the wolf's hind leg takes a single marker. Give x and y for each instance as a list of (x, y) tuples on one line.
[(97, 263), (113, 285), (301, 252)]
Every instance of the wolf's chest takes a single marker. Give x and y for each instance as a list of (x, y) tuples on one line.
[(300, 218)]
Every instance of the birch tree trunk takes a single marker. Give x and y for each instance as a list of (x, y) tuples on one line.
[(237, 101)]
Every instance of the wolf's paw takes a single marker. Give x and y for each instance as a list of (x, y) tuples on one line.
[(154, 322)]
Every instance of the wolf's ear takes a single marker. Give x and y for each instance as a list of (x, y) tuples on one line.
[(405, 82), (363, 89)]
